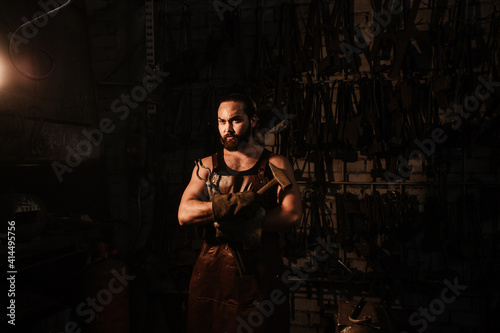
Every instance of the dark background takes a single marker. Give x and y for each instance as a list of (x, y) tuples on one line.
[(352, 116)]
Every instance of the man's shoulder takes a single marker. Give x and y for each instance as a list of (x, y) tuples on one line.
[(207, 161), (279, 160)]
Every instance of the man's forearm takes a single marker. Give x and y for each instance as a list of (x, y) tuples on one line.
[(279, 218), (195, 212)]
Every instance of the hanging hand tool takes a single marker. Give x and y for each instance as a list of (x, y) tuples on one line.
[(403, 40)]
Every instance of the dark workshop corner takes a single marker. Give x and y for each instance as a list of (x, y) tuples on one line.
[(387, 110)]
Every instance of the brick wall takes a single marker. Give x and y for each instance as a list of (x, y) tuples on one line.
[(193, 44)]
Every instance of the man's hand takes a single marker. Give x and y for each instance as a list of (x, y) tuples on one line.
[(238, 218), (235, 205), (243, 233)]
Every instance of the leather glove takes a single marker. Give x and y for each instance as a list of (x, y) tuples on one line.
[(235, 205), (240, 232)]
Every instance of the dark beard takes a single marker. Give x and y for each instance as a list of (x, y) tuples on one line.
[(236, 141)]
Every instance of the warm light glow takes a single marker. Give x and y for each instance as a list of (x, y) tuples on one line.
[(3, 71)]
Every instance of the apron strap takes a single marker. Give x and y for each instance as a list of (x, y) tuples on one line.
[(262, 166), (215, 161)]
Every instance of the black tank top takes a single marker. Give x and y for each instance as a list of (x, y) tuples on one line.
[(224, 180)]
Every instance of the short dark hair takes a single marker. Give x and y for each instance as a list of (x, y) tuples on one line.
[(248, 104)]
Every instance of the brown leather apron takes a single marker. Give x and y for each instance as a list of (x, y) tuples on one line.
[(222, 301)]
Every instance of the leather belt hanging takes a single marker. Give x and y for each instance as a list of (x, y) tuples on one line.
[(403, 39), (150, 46)]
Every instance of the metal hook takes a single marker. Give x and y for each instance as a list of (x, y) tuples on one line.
[(210, 173)]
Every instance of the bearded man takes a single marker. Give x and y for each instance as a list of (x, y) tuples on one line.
[(237, 283)]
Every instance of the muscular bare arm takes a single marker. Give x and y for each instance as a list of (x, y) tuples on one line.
[(195, 207), (289, 213)]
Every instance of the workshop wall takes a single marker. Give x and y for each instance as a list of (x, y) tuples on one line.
[(45, 107), (40, 116), (116, 40), (419, 213), (400, 183)]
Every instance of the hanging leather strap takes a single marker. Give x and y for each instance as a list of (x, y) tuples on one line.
[(262, 166), (215, 162)]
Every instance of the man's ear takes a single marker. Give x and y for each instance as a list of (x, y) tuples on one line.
[(254, 120)]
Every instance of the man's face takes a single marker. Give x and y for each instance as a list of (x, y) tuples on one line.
[(234, 126)]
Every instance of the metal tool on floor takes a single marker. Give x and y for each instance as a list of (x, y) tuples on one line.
[(357, 317)]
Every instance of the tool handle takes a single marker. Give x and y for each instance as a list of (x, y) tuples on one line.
[(266, 187)]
